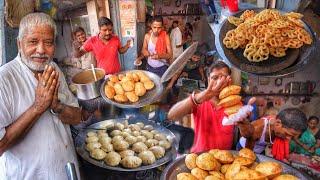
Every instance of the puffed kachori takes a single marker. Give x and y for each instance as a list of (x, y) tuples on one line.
[(247, 153), (224, 168), (132, 97), (232, 170), (270, 169), (206, 161), (109, 91), (114, 78), (120, 98), (229, 90), (249, 174), (139, 89), (190, 161), (148, 85), (216, 175), (285, 177), (199, 173), (243, 161), (186, 176), (224, 156)]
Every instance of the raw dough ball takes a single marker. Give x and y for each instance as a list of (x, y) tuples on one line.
[(112, 159), (91, 133), (125, 134), (115, 133), (151, 142), (127, 130), (140, 124), (154, 132), (139, 147), (121, 145), (119, 126), (126, 153), (126, 124), (147, 157), (105, 140), (136, 133), (117, 139), (92, 146), (190, 161), (166, 144), (148, 127), (141, 139), (102, 135), (98, 154), (134, 127), (92, 139), (107, 147), (158, 151), (147, 134), (131, 139), (131, 162), (160, 137)]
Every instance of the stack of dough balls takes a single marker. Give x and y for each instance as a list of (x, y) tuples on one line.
[(129, 145), (266, 33), (128, 87), (230, 99), (223, 165)]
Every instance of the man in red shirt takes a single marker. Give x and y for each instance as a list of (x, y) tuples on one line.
[(207, 115), (105, 46)]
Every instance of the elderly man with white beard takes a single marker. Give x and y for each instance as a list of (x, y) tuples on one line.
[(36, 108)]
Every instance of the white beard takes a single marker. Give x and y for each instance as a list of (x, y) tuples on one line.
[(34, 66)]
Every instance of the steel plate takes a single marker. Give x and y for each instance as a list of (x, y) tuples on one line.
[(170, 154), (148, 98), (178, 166), (292, 62)]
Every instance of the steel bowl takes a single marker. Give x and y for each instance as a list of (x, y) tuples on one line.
[(150, 96), (86, 86), (170, 154), (179, 166)]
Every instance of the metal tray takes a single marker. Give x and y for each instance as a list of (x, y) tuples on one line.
[(178, 166), (292, 62), (170, 154), (148, 98)]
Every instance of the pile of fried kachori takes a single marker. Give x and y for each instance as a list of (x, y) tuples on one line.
[(266, 33), (223, 165), (230, 99), (128, 87)]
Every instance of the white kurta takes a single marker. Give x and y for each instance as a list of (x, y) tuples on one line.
[(48, 146), (176, 39)]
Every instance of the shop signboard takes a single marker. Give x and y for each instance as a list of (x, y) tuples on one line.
[(128, 17)]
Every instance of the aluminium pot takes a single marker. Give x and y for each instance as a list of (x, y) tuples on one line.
[(86, 86)]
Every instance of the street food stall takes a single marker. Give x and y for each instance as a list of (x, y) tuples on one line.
[(272, 54)]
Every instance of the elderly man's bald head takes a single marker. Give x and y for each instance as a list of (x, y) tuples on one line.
[(36, 40)]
